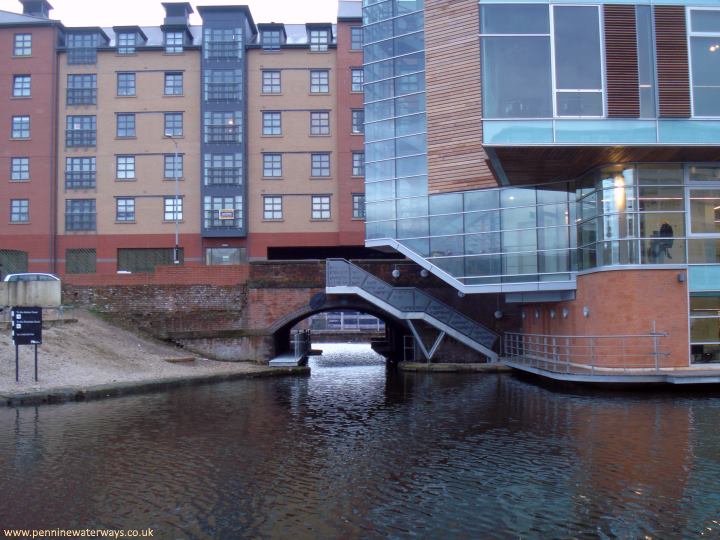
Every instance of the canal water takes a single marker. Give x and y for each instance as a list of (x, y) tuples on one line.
[(355, 452)]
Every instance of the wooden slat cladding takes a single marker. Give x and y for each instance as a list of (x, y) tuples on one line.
[(621, 60), (456, 158), (672, 62)]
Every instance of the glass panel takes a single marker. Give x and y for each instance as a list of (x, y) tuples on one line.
[(653, 199), (661, 251), (379, 191), (660, 174), (646, 60), (705, 211), (516, 77), (587, 232), (447, 245), (482, 222), (618, 252), (412, 207), (421, 246), (703, 251), (453, 266), (412, 228), (577, 48), (450, 203), (410, 187), (441, 225), (410, 124), (705, 304), (705, 20), (707, 100), (579, 104), (482, 200), (519, 263), (483, 266), (380, 210), (706, 75), (517, 197), (706, 329), (479, 244), (702, 354), (704, 174), (514, 19)]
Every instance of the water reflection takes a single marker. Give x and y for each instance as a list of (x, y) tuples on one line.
[(355, 452)]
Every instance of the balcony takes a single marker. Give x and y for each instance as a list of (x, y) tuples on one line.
[(80, 138), (80, 179), (222, 92), (223, 50), (223, 134), (81, 55), (81, 96), (223, 176), (222, 219), (85, 221)]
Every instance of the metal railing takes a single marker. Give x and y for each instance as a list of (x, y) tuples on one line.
[(410, 301), (589, 355), (301, 343)]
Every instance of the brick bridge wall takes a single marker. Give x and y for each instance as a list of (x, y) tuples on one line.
[(237, 312)]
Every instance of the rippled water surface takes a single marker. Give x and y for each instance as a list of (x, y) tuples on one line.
[(355, 452)]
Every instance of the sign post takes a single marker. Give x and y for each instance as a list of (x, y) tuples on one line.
[(26, 330)]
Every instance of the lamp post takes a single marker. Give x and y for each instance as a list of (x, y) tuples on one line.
[(176, 177)]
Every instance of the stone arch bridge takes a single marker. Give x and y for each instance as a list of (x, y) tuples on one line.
[(246, 312)]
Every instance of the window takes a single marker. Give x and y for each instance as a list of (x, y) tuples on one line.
[(223, 212), (222, 43), (19, 210), (80, 131), (319, 40), (272, 208), (80, 215), (272, 123), (320, 207), (125, 209), (357, 79), (126, 125), (173, 84), (126, 42), (358, 163), (125, 167), (22, 45), (271, 39), (79, 173), (173, 124), (173, 209), (646, 60), (358, 200), (147, 259), (82, 89), (320, 123), (20, 127), (222, 85), (272, 165), (173, 167), (21, 86), (223, 127), (223, 169), (358, 121), (19, 169), (125, 84), (705, 61), (82, 48), (225, 256), (174, 42), (80, 261), (319, 81), (356, 38), (271, 82), (320, 165)]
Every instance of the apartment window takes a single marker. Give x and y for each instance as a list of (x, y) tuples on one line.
[(126, 42), (173, 209), (125, 167), (20, 127), (222, 169), (271, 82), (358, 201), (21, 86), (82, 89), (705, 61), (223, 212), (173, 124), (357, 79), (272, 123), (80, 215), (82, 48), (271, 39), (320, 123), (174, 42), (272, 165), (319, 81), (126, 125), (125, 84), (272, 208), (320, 207), (80, 173), (222, 43), (173, 84), (223, 127), (173, 167), (222, 85), (125, 209), (19, 210), (19, 169), (320, 165), (80, 131), (358, 121), (358, 163), (319, 40), (356, 38), (22, 45)]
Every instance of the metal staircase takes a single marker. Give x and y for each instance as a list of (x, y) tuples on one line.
[(410, 304)]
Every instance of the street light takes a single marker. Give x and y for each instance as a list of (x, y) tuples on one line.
[(176, 251)]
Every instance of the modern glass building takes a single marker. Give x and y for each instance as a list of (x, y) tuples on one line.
[(564, 155)]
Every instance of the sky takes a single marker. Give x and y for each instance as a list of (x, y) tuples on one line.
[(151, 12)]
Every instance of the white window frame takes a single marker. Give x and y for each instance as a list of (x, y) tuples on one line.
[(272, 208), (691, 34)]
